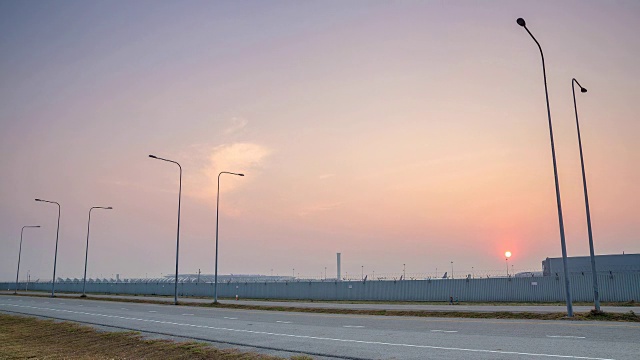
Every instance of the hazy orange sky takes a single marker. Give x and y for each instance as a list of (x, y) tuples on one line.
[(393, 132)]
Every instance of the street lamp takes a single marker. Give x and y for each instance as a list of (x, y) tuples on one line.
[(215, 277), (175, 296), (522, 23), (596, 296), (452, 269), (86, 253), (55, 256), (20, 252)]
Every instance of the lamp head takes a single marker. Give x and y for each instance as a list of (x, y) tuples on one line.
[(240, 174), (38, 199), (521, 22), (583, 90), (153, 156), (109, 208)]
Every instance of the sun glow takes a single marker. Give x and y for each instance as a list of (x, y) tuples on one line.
[(507, 254)]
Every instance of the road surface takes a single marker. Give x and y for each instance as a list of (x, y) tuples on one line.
[(333, 336)]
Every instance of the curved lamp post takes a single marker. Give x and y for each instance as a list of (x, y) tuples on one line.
[(215, 277), (55, 256), (20, 252), (522, 23), (596, 295), (86, 253), (175, 296)]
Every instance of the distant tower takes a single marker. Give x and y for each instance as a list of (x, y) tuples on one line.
[(338, 276)]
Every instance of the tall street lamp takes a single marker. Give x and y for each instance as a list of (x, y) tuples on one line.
[(55, 256), (20, 252), (522, 23), (86, 253), (596, 295), (175, 295), (215, 277)]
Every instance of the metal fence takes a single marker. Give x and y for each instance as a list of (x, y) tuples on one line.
[(613, 287)]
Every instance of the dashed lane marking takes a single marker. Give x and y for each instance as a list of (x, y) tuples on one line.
[(502, 352)]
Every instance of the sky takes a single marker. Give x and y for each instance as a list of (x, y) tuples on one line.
[(405, 135)]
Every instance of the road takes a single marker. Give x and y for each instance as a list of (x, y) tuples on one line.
[(333, 336), (364, 306)]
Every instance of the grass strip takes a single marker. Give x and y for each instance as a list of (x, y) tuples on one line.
[(24, 337)]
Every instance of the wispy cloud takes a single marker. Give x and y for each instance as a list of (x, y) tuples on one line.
[(326, 176), (237, 124), (237, 157), (308, 210)]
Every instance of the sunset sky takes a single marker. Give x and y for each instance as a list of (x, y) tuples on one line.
[(394, 132)]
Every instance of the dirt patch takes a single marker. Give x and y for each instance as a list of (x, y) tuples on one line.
[(31, 338)]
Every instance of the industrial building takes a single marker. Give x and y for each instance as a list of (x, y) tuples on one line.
[(619, 263)]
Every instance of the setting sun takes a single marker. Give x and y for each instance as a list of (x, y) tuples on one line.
[(507, 254)]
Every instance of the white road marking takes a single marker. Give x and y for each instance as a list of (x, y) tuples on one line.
[(284, 322), (124, 309), (566, 337), (187, 314), (353, 326), (80, 305), (317, 337), (231, 318), (445, 331), (152, 311)]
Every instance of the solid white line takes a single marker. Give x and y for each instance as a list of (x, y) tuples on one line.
[(566, 337), (231, 318), (284, 322), (124, 309), (187, 314), (353, 326), (152, 311), (445, 331), (317, 337)]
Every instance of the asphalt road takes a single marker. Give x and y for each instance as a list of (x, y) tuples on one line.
[(332, 336), (368, 306)]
